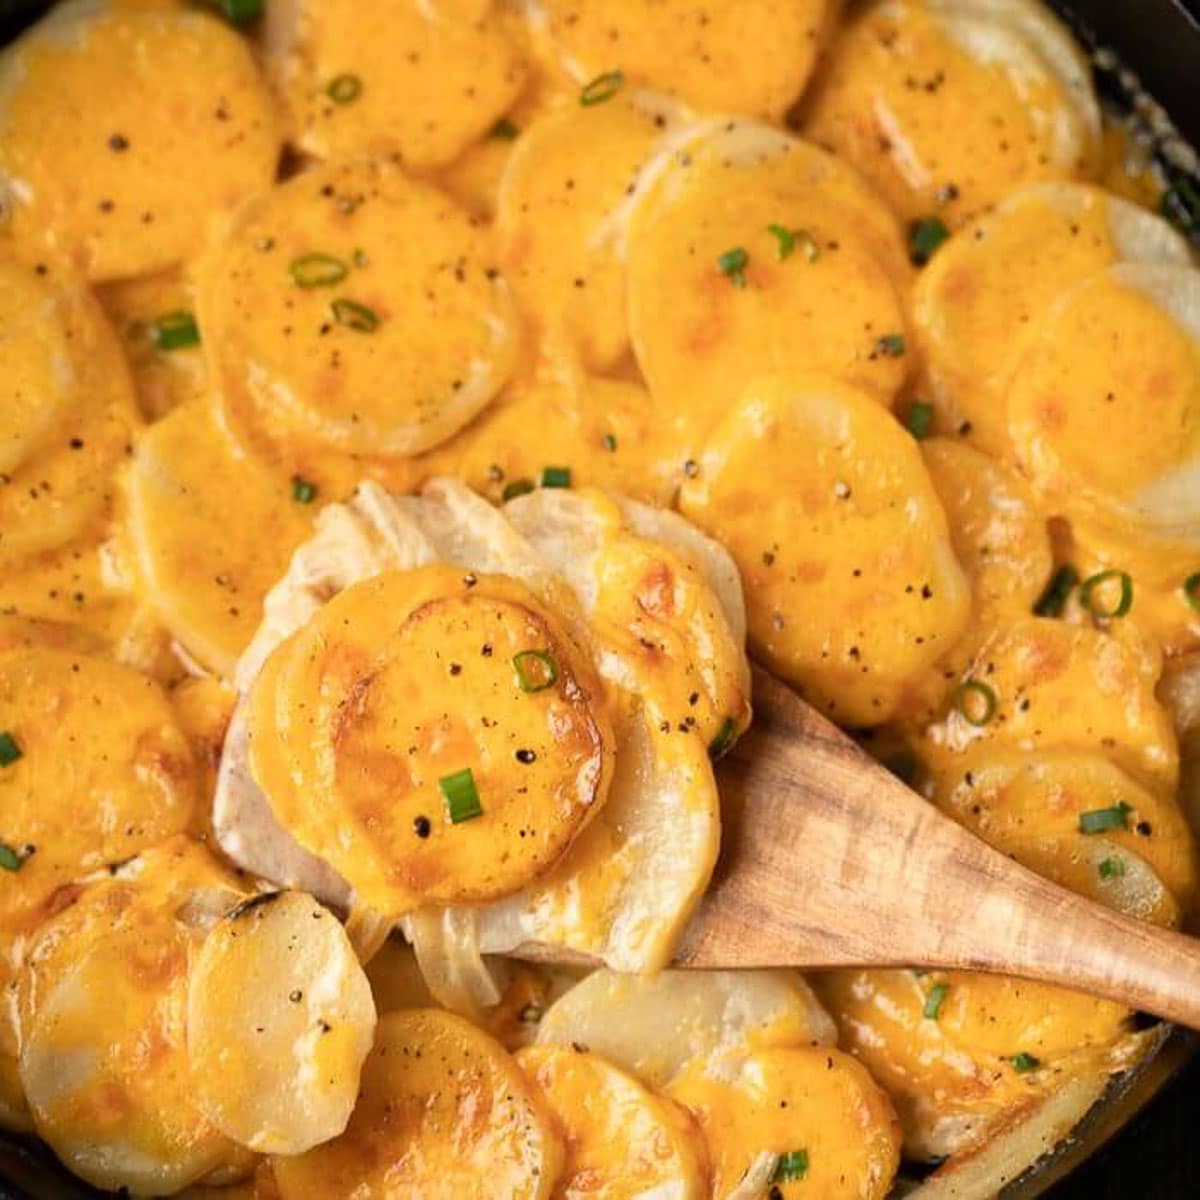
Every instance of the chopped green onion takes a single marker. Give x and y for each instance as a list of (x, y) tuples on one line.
[(920, 419), (355, 316), (610, 442), (935, 999), (345, 89), (9, 750), (241, 12), (790, 1166), (603, 87), (556, 477), (1191, 590), (1181, 205), (1112, 868), (504, 130), (891, 345), (10, 860), (317, 270), (536, 670), (1024, 1063), (965, 702), (732, 264), (1058, 591), (1094, 604), (175, 331), (786, 240), (461, 796), (724, 741), (924, 237), (515, 488), (303, 492), (1102, 820)]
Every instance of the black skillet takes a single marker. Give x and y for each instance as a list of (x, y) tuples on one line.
[(1139, 1140)]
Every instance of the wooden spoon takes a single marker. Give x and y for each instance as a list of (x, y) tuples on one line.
[(829, 861)]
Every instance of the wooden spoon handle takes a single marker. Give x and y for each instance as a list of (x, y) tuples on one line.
[(828, 860)]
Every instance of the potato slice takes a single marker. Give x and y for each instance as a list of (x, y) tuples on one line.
[(325, 329), (102, 998), (280, 1018), (622, 1140), (443, 1112), (424, 79), (897, 67), (826, 506), (983, 298), (212, 531), (654, 1025), (832, 1128), (750, 250), (126, 187), (754, 57), (1180, 692)]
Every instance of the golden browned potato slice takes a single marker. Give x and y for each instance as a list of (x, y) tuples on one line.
[(353, 309), (829, 1127), (126, 186), (102, 998), (985, 294), (1021, 114), (445, 725), (280, 1018), (444, 1113), (211, 531), (66, 407), (752, 251), (1121, 353), (424, 79), (622, 1140), (562, 198), (825, 504), (753, 57)]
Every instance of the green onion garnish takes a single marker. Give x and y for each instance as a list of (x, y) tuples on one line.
[(920, 419), (603, 87), (356, 316), (924, 237), (790, 1166), (515, 488), (786, 240), (461, 796), (976, 701), (724, 741), (935, 999), (317, 270), (241, 12), (732, 264), (1112, 868), (536, 670), (1191, 590), (303, 492), (1181, 206), (1024, 1063), (175, 331), (9, 750), (556, 477), (1100, 582), (10, 860), (891, 345), (1102, 820), (1058, 591), (345, 89), (504, 130), (610, 442)]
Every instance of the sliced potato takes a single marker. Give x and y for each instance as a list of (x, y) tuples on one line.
[(126, 187), (622, 1140), (444, 1112), (983, 298), (325, 330), (832, 1128), (280, 1018), (754, 57), (653, 1025), (1180, 692), (843, 546)]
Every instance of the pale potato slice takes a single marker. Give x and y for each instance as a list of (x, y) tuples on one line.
[(422, 78), (126, 187), (212, 530), (103, 993), (444, 1113), (324, 329), (842, 543), (750, 251), (898, 67), (654, 1025), (622, 1140), (832, 1128), (753, 57), (982, 299), (1121, 352), (557, 222), (280, 1018)]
